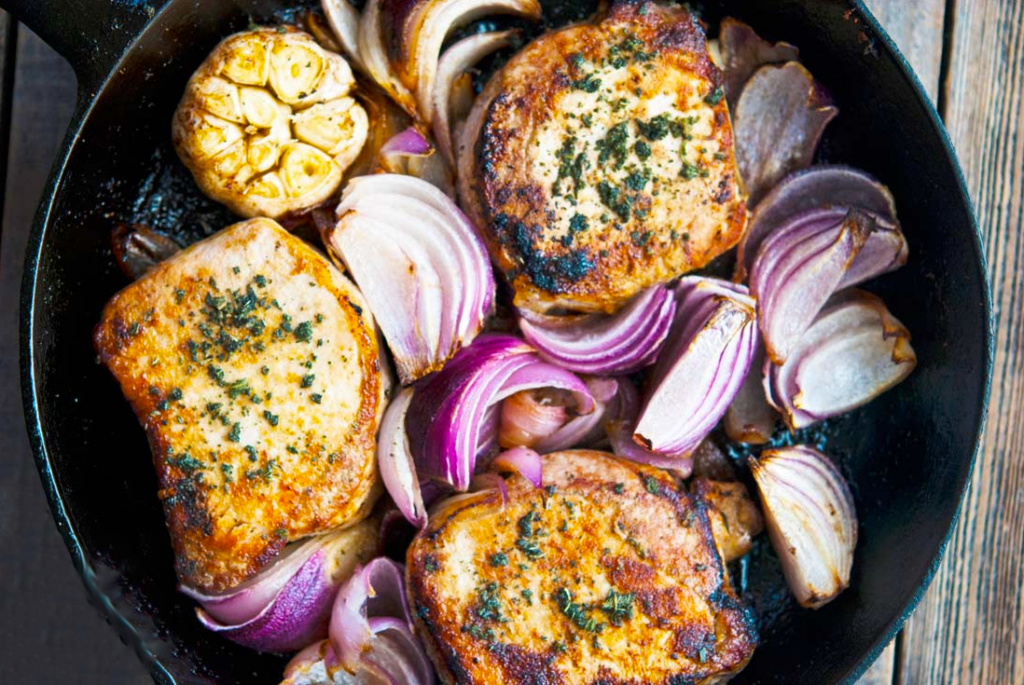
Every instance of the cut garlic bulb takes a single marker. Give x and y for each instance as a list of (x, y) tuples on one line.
[(811, 521), (267, 125)]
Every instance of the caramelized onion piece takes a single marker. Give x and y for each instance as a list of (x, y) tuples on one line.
[(811, 521), (751, 418), (343, 19), (418, 29), (420, 264), (854, 351), (778, 122), (454, 63), (744, 52), (138, 249), (839, 188), (735, 519)]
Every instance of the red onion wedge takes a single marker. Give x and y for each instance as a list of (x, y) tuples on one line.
[(811, 521), (419, 263), (622, 413), (837, 188), (778, 122), (854, 351), (803, 262), (371, 636), (743, 52), (452, 420), (455, 62), (138, 249), (409, 152), (619, 343), (797, 270), (394, 458), (287, 605), (522, 461), (701, 368), (751, 418)]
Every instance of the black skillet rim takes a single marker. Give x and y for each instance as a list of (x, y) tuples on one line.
[(130, 636)]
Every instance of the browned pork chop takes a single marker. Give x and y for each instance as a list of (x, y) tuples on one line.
[(253, 365), (608, 575), (599, 161)]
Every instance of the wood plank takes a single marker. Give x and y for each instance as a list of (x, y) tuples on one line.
[(916, 26), (49, 633), (968, 628)]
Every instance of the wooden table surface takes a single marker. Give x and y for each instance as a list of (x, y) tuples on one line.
[(969, 54)]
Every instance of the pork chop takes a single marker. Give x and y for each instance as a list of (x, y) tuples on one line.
[(606, 575), (599, 160), (253, 366)]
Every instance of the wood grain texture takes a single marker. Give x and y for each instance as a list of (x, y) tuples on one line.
[(916, 26), (49, 633), (968, 628)]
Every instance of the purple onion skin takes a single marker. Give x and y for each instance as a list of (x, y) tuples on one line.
[(743, 52), (820, 187), (796, 272), (778, 122), (297, 617), (709, 310)]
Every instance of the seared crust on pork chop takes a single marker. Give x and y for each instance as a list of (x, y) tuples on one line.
[(599, 160), (606, 576), (253, 365)]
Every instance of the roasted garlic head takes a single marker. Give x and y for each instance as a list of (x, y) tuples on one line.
[(267, 125)]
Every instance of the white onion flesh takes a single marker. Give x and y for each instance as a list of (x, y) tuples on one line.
[(811, 521)]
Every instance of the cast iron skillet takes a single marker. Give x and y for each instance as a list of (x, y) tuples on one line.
[(908, 454)]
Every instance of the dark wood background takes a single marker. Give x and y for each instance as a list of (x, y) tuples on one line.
[(969, 629)]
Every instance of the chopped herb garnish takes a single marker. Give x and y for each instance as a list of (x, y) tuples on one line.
[(308, 379), (235, 434), (317, 398), (304, 332), (715, 96), (272, 419), (499, 559), (618, 606)]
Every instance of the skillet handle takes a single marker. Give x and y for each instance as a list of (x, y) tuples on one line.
[(91, 34)]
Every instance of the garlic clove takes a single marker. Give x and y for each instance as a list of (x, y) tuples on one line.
[(339, 128), (221, 98), (305, 168), (246, 60), (295, 70)]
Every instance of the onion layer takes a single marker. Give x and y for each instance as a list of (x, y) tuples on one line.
[(811, 521), (778, 122), (838, 188), (854, 351), (455, 416), (371, 636), (394, 458), (751, 418), (701, 368), (286, 606), (743, 52), (455, 62), (798, 268), (420, 265), (523, 461), (619, 343)]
